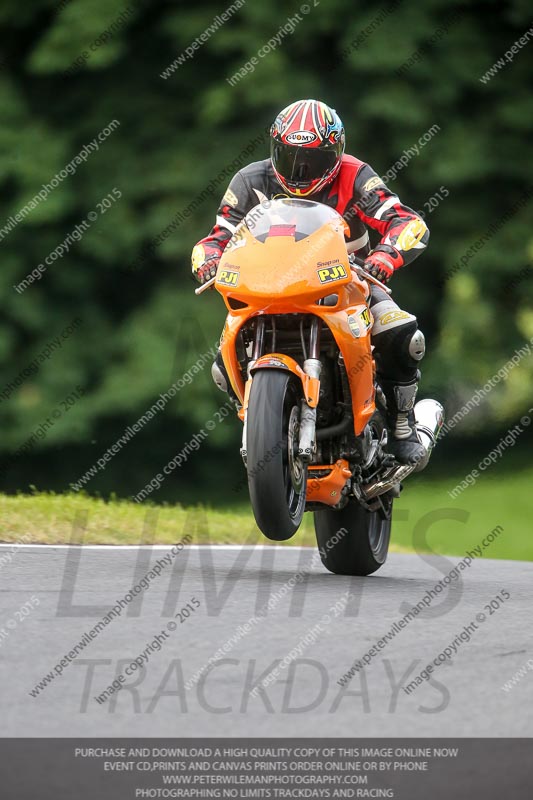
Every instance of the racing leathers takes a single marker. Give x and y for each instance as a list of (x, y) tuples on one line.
[(364, 200)]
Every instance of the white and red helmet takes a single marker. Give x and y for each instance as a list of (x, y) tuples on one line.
[(307, 145)]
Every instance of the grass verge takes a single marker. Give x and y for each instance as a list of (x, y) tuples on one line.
[(426, 519)]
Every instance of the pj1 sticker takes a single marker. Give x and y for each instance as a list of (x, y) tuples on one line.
[(335, 272), (228, 277)]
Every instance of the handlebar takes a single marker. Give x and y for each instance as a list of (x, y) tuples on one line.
[(355, 262)]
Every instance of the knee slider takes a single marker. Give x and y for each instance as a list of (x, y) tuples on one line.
[(417, 345)]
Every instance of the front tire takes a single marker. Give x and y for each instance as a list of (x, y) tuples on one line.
[(362, 547), (277, 478)]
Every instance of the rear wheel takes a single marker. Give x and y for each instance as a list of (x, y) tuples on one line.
[(354, 541), (277, 477)]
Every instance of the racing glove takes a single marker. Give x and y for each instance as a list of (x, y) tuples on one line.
[(204, 265), (380, 265)]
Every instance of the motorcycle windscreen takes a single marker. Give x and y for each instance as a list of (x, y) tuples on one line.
[(289, 216)]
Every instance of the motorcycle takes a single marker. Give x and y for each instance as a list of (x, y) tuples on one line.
[(296, 348)]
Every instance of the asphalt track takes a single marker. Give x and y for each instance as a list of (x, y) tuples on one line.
[(75, 587)]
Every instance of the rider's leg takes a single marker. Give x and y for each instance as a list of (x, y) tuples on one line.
[(398, 348)]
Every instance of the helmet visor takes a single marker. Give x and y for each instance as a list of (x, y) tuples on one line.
[(300, 166)]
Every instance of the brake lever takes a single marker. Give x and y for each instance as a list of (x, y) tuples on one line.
[(370, 278), (362, 273), (201, 289)]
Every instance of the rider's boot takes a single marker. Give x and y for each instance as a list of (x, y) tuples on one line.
[(403, 443)]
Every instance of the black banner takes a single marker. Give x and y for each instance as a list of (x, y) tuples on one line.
[(406, 769)]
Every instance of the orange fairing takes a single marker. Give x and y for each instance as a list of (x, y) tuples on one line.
[(279, 270), (328, 489)]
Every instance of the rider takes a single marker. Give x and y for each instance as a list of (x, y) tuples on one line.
[(307, 160)]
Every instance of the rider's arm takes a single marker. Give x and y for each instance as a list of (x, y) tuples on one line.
[(238, 199), (404, 235)]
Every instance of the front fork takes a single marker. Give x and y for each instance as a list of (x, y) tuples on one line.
[(312, 368), (256, 353)]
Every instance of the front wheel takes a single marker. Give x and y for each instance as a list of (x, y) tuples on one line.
[(277, 477), (354, 541)]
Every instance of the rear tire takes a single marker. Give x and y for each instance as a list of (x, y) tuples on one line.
[(363, 548), (277, 478)]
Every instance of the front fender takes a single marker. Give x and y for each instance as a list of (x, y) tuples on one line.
[(310, 385)]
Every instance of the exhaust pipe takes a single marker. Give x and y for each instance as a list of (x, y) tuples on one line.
[(429, 416), (390, 479)]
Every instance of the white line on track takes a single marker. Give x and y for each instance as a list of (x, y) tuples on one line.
[(12, 545)]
